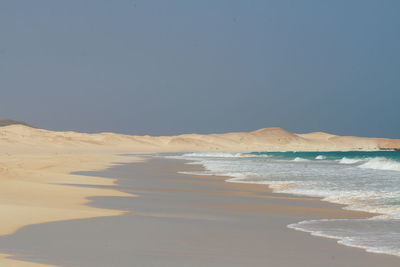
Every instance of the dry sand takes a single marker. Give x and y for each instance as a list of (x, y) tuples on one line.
[(36, 188), (35, 166)]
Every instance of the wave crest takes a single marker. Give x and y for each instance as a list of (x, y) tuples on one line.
[(300, 159), (349, 161), (381, 164)]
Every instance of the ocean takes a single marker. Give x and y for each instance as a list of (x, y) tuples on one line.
[(362, 181)]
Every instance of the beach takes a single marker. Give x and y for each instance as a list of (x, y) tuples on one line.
[(172, 219), (145, 204), (37, 187), (199, 133)]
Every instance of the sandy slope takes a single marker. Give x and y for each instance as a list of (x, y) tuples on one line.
[(35, 166)]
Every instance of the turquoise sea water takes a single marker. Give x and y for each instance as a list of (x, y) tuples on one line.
[(365, 181)]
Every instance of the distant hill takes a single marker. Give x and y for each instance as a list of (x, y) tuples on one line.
[(12, 122)]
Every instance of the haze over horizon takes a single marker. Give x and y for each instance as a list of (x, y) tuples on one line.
[(163, 68)]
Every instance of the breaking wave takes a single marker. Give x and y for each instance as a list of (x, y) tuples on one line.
[(363, 181), (349, 161), (381, 164), (298, 159)]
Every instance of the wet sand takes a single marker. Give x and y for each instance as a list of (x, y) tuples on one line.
[(188, 220)]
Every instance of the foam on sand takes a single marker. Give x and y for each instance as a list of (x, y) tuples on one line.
[(362, 181), (353, 233)]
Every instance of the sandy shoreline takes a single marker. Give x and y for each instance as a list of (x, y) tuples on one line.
[(35, 166), (37, 188), (180, 219)]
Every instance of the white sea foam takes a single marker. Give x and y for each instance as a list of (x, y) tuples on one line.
[(381, 164), (298, 159), (354, 199), (280, 186), (349, 161), (363, 184), (359, 200), (376, 236)]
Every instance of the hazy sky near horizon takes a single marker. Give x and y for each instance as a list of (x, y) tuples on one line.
[(169, 67)]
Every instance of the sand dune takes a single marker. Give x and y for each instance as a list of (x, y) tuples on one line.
[(13, 122), (22, 137)]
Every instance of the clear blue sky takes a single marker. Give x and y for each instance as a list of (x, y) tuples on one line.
[(168, 67)]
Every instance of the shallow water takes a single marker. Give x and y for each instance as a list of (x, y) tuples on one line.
[(364, 181)]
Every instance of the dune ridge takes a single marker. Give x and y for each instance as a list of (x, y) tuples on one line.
[(20, 137), (13, 122)]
